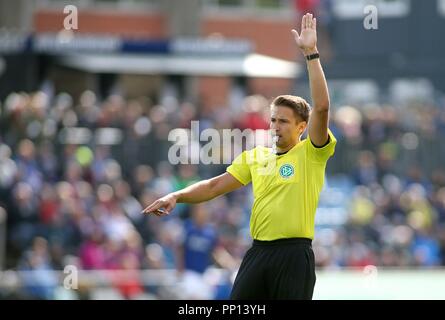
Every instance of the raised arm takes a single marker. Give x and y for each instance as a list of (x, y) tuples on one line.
[(199, 192), (319, 118)]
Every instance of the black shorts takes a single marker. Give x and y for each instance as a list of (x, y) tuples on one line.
[(279, 269)]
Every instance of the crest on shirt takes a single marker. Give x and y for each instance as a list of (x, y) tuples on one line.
[(287, 170)]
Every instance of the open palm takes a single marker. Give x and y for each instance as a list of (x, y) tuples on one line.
[(307, 39)]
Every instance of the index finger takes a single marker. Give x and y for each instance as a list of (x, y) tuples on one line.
[(153, 207)]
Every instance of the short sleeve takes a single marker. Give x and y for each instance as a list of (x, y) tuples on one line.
[(324, 153), (240, 169)]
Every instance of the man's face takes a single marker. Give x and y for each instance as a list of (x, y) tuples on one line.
[(286, 126)]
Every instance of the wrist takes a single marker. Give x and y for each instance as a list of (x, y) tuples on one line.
[(309, 51), (176, 195)]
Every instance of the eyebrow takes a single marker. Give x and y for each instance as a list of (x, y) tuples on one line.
[(282, 119)]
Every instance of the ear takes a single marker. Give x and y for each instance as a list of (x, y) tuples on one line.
[(301, 127)]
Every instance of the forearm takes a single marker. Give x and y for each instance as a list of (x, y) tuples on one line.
[(317, 82), (198, 192)]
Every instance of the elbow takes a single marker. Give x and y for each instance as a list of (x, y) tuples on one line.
[(322, 107), (322, 103)]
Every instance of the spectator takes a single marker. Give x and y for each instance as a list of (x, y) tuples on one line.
[(200, 240)]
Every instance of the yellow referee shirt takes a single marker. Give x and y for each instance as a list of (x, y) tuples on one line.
[(285, 188)]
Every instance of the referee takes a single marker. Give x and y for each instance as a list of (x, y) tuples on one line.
[(286, 182)]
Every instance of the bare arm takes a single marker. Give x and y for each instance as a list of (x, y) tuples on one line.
[(208, 189), (199, 192), (319, 118)]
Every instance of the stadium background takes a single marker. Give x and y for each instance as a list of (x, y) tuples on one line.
[(84, 120)]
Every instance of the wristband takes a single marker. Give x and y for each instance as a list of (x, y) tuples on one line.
[(313, 56)]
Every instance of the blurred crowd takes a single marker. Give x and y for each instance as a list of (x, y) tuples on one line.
[(73, 191)]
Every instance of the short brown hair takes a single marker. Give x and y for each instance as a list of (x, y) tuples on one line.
[(300, 106)]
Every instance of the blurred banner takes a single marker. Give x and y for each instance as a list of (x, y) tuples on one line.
[(66, 42)]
